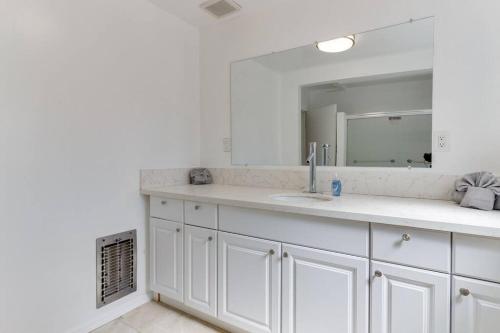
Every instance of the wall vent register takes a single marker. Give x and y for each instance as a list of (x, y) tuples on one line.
[(116, 257)]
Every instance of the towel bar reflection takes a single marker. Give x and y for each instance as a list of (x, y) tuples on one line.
[(374, 161)]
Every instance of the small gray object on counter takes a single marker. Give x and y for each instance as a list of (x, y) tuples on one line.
[(200, 176), (478, 190)]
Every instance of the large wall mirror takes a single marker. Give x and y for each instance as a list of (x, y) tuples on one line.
[(369, 105)]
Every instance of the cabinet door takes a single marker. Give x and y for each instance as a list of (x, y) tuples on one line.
[(249, 282), (409, 300), (324, 291), (200, 266), (476, 306), (166, 258)]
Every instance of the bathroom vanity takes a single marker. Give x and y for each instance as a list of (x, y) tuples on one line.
[(241, 259)]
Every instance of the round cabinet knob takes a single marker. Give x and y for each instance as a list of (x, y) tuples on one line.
[(210, 238), (197, 207), (378, 273), (464, 292), (271, 252), (178, 229), (406, 237), (285, 254), (164, 202)]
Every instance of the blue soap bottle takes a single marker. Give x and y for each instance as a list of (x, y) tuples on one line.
[(336, 186)]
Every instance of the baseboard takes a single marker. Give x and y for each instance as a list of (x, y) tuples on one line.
[(112, 313), (199, 315)]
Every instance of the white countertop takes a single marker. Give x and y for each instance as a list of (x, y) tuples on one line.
[(418, 213)]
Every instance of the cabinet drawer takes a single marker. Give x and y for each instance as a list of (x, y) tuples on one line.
[(476, 257), (319, 232), (412, 247), (200, 214), (167, 209)]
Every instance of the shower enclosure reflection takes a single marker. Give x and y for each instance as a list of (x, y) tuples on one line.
[(378, 121)]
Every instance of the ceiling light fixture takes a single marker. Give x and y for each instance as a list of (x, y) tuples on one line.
[(336, 45)]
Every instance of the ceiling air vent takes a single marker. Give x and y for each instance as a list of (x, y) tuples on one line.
[(116, 266), (220, 8)]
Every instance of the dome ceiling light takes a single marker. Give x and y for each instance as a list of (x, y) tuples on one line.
[(336, 45)]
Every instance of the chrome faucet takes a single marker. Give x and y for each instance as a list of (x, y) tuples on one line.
[(311, 160)]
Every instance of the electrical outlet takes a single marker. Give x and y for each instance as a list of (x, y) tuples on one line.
[(226, 145), (443, 141)]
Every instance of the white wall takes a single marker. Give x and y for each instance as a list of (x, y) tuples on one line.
[(467, 78), (90, 92), (256, 117), (466, 73)]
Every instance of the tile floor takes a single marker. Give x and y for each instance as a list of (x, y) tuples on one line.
[(156, 318)]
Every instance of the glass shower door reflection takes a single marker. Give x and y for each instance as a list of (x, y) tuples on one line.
[(389, 140)]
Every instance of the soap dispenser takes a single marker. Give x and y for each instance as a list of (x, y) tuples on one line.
[(336, 186)]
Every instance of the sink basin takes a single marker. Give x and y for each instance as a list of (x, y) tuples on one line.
[(301, 197)]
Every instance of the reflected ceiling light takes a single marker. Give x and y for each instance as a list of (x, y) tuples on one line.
[(336, 45)]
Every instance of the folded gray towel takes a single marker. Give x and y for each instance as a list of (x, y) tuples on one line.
[(479, 179), (479, 198), (478, 190), (459, 196)]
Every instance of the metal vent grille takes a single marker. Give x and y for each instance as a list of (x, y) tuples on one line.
[(220, 8), (116, 266)]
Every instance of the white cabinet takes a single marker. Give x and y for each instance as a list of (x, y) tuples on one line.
[(166, 253), (409, 300), (249, 282), (476, 306), (255, 283), (324, 291), (200, 269)]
